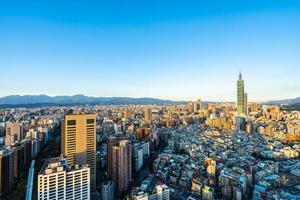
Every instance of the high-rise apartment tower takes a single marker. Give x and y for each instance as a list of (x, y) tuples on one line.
[(121, 165)]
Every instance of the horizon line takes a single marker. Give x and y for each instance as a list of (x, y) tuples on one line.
[(167, 99)]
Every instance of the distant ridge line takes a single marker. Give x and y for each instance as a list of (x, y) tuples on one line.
[(79, 99), (13, 100)]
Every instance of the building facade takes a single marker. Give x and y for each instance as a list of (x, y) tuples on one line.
[(240, 96), (14, 132), (107, 190), (163, 192), (121, 165), (78, 142), (59, 181), (6, 171)]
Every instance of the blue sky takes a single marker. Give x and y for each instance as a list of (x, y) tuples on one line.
[(177, 50)]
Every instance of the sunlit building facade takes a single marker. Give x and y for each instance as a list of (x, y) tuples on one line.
[(78, 142), (59, 181)]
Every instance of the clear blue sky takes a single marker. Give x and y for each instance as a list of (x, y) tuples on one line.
[(166, 49)]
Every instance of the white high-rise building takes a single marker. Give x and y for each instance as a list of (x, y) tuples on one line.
[(35, 141), (59, 181), (107, 190), (139, 161), (146, 149), (163, 192), (207, 193)]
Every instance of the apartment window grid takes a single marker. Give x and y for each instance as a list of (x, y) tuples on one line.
[(72, 185)]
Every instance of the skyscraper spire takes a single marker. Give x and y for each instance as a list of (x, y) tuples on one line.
[(240, 75)]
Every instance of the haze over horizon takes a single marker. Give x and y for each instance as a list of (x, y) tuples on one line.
[(169, 50), (145, 97)]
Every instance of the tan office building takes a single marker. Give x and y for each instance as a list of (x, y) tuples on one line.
[(78, 142), (14, 132), (148, 114), (246, 103), (254, 107)]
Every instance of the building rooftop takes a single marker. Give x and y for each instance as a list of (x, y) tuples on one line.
[(58, 164)]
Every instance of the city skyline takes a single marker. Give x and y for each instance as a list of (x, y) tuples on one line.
[(164, 99), (163, 50), (150, 100)]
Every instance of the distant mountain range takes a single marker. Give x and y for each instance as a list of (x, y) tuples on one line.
[(80, 99), (31, 100), (286, 101)]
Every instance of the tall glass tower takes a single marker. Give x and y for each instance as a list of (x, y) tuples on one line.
[(240, 96)]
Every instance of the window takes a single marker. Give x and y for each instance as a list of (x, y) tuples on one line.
[(71, 122), (90, 121)]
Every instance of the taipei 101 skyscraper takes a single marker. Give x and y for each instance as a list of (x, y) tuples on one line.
[(241, 97)]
